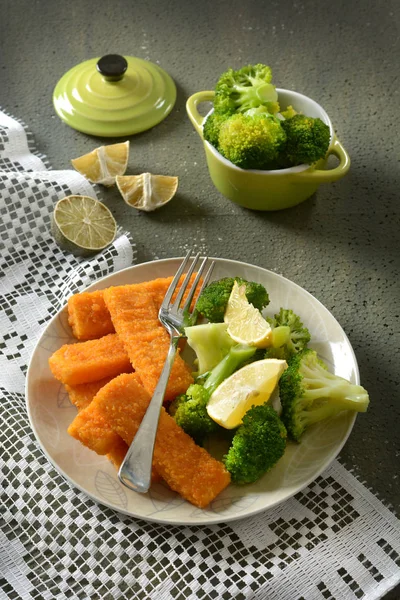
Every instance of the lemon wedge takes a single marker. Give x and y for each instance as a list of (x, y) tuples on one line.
[(146, 191), (82, 225), (103, 164), (251, 385), (246, 325)]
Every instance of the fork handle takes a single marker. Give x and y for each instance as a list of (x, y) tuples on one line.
[(135, 470)]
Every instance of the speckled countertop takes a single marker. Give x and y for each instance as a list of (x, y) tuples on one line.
[(343, 245)]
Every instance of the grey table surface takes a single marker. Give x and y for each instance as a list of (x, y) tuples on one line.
[(342, 245)]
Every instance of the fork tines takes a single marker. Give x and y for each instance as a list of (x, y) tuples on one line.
[(168, 296)]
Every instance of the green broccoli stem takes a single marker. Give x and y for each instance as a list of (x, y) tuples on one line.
[(315, 415), (344, 395), (230, 363), (323, 384), (261, 92)]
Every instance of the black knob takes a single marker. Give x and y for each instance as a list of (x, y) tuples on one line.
[(112, 67)]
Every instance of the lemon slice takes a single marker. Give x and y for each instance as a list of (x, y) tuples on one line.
[(82, 225), (146, 191), (103, 164), (251, 385), (246, 325)]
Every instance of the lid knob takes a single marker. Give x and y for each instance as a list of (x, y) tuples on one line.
[(112, 67)]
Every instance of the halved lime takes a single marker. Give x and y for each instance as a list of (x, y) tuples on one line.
[(82, 225)]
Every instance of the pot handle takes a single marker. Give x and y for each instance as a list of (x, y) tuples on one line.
[(326, 176), (191, 109)]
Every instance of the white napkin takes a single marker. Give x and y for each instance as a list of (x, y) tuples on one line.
[(334, 540)]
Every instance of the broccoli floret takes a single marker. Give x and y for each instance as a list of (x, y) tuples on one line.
[(212, 128), (190, 413), (190, 410), (211, 342), (257, 445), (252, 142), (271, 108), (294, 337), (248, 87), (289, 112), (307, 140), (214, 298), (256, 293), (309, 393), (176, 403)]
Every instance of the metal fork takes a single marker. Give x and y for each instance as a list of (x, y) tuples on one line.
[(135, 470)]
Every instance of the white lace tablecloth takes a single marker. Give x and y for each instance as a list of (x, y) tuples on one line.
[(333, 541)]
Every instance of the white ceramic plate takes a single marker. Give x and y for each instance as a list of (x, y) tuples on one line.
[(51, 412)]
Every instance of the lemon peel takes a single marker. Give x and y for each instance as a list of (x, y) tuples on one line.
[(104, 163), (147, 191)]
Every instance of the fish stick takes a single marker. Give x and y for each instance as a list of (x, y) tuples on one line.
[(84, 362), (81, 396), (135, 317), (187, 468), (88, 314), (117, 454), (93, 430)]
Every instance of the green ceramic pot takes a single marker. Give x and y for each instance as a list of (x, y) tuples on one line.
[(270, 190)]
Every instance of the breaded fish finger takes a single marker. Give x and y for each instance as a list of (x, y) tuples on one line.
[(81, 396), (187, 468), (88, 314), (135, 317), (84, 362), (92, 429)]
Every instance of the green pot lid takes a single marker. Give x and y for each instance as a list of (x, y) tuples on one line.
[(114, 96)]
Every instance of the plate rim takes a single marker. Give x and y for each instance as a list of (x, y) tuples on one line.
[(98, 284)]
